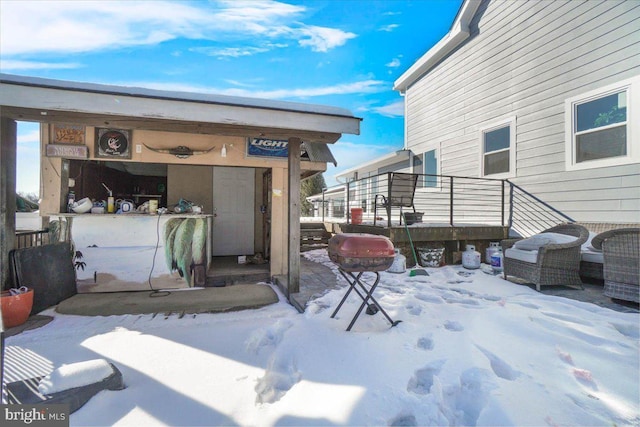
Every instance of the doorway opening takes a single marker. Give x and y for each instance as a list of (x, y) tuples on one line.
[(240, 237)]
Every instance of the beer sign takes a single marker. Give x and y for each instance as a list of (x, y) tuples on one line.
[(264, 147)]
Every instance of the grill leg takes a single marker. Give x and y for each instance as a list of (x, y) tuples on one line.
[(368, 295), (352, 283)]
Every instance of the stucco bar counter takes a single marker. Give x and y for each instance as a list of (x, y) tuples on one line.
[(134, 252)]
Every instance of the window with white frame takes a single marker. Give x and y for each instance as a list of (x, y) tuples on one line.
[(498, 149), (599, 127)]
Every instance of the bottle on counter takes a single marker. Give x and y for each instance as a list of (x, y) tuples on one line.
[(71, 199), (111, 206)]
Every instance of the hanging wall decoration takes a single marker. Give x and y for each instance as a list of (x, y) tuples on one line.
[(68, 134), (112, 143)]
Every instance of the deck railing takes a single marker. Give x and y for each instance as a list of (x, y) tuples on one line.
[(529, 214), (440, 199), (451, 200)]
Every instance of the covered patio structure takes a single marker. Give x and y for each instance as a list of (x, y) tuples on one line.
[(183, 114)]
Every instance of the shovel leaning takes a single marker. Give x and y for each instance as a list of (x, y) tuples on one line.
[(415, 271)]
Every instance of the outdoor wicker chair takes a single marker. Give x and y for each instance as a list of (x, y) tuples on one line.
[(621, 269), (402, 189), (551, 263), (592, 260)]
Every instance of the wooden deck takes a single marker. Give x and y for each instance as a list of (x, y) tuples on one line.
[(453, 238)]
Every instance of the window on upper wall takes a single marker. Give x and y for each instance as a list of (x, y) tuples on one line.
[(600, 128), (497, 147)]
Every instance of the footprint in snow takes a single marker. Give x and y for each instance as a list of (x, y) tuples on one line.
[(499, 366), (473, 395), (422, 296), (425, 343), (454, 299), (564, 356), (268, 337), (462, 403), (422, 379), (404, 421), (453, 325), (585, 378), (414, 310), (282, 374)]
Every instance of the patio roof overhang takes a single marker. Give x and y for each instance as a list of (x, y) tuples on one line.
[(48, 101)]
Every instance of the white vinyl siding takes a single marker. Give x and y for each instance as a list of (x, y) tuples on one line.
[(524, 60)]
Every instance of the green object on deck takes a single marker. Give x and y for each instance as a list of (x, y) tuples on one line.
[(415, 271)]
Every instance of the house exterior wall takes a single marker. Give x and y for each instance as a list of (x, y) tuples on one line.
[(521, 63)]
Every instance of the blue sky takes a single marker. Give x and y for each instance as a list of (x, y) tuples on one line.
[(344, 53)]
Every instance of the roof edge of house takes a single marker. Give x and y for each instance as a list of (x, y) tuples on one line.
[(458, 33), (382, 159)]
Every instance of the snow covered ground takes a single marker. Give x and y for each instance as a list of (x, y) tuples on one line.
[(470, 350)]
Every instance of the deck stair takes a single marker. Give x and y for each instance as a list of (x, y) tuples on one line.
[(313, 235)]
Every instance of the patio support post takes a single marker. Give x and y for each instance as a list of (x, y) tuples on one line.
[(324, 190), (293, 270), (510, 204), (502, 202), (451, 201), (347, 212), (389, 200), (8, 153)]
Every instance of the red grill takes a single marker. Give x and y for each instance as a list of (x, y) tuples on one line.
[(357, 252), (360, 253)]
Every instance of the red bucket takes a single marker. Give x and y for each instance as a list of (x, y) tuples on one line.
[(356, 216), (15, 308)]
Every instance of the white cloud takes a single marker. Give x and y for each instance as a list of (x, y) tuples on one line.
[(395, 63), (29, 27), (6, 65), (29, 135), (395, 109), (321, 39), (359, 87), (230, 52), (236, 52), (388, 28)]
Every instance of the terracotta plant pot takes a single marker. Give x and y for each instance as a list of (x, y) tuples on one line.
[(15, 308)]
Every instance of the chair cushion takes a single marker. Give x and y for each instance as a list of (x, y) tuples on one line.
[(534, 243), (522, 255), (586, 246), (592, 256)]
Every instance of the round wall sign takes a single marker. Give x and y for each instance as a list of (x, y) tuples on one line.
[(113, 143)]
